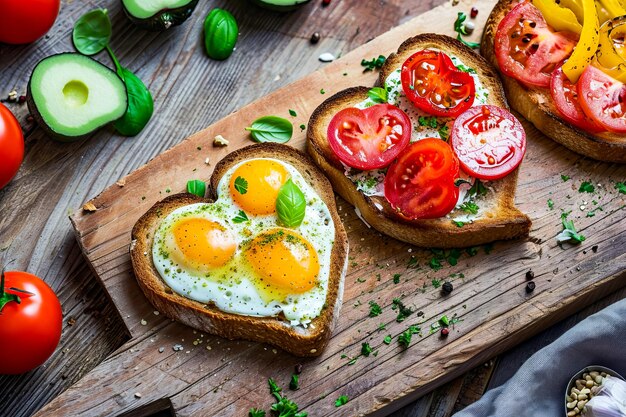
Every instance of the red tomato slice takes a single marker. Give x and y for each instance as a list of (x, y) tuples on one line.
[(565, 96), (527, 49), (434, 85), (489, 142), (370, 138), (603, 99), (420, 183)]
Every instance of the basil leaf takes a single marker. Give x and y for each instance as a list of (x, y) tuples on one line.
[(140, 105), (377, 95), (240, 217), (290, 204), (196, 187), (271, 129), (92, 32), (220, 34)]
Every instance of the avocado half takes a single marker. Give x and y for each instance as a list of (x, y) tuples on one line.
[(280, 5), (71, 95), (158, 15)]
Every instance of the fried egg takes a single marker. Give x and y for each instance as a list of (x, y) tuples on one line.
[(236, 255)]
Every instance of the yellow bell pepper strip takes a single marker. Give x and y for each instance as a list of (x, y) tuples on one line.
[(613, 7), (587, 44), (611, 54), (576, 7), (560, 18), (603, 14)]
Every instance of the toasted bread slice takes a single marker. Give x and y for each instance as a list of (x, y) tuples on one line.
[(537, 105), (501, 221), (300, 341)]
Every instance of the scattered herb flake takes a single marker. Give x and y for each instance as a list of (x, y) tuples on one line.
[(322, 91), (477, 189), (387, 339), (436, 283), (374, 63), (620, 187), (375, 309), (444, 132), (342, 400), (241, 185), (458, 223), (403, 311), (586, 187), (294, 384), (255, 412), (396, 278), (293, 113), (428, 121), (412, 263), (366, 349), (569, 233), (565, 177), (435, 264), (550, 204), (469, 207), (240, 217)]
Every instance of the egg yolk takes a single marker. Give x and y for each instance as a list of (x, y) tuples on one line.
[(284, 260), (204, 242), (257, 187)]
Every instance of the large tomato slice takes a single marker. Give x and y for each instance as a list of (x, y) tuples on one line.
[(489, 142), (432, 82), (565, 96), (603, 99), (420, 183), (370, 138), (527, 49)]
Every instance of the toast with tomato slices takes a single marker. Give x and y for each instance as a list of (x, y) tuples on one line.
[(497, 218), (537, 104)]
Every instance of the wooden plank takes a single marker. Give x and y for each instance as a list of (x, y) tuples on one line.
[(490, 299)]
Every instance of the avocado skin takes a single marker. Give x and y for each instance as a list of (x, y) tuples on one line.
[(163, 19), (32, 108), (277, 8)]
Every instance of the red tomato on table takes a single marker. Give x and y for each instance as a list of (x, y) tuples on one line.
[(420, 183), (31, 329), (527, 49), (489, 142), (370, 138), (434, 85), (11, 146), (25, 21)]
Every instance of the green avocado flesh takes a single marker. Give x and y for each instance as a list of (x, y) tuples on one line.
[(74, 95), (143, 9)]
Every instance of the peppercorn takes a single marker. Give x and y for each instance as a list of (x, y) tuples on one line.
[(21, 99), (315, 38), (473, 12), (325, 2), (445, 332), (530, 274), (447, 288), (298, 369), (530, 287)]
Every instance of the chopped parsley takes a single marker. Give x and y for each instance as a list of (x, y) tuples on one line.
[(403, 311), (255, 412), (569, 233), (342, 400), (443, 321), (467, 69), (620, 187), (478, 188), (435, 264), (469, 207), (404, 339), (293, 113), (240, 217), (322, 91), (428, 121), (375, 309), (396, 278), (565, 177), (377, 95), (436, 283), (374, 63), (458, 223), (550, 204), (387, 339), (586, 187), (241, 185), (459, 28), (283, 407), (366, 349), (294, 384), (444, 132), (382, 326), (302, 127)]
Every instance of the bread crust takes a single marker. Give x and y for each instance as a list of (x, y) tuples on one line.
[(537, 105), (506, 222), (206, 317)]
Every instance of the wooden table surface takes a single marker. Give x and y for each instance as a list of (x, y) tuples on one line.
[(190, 92)]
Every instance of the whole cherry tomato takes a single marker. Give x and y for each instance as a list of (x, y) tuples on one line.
[(25, 21), (30, 322), (11, 146)]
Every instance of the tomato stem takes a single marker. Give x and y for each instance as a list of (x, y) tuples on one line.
[(6, 297)]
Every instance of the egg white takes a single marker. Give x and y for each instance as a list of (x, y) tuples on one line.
[(231, 288)]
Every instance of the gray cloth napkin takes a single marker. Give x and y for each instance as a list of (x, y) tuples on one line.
[(538, 387)]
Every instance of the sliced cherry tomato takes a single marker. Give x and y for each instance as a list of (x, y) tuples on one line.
[(25, 21), (11, 146), (370, 138), (565, 96), (31, 328), (420, 183), (527, 49), (489, 142), (434, 85), (603, 99)]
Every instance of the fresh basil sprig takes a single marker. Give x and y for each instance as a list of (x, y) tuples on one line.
[(196, 187), (271, 129), (377, 95), (290, 204), (92, 32), (91, 35)]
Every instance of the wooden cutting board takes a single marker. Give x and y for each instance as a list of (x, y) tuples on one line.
[(210, 376)]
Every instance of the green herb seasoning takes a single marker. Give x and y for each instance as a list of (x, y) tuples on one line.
[(342, 400), (586, 187), (375, 309), (374, 63)]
